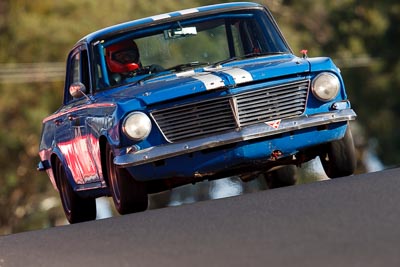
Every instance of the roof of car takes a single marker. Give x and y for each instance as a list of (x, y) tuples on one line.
[(120, 28)]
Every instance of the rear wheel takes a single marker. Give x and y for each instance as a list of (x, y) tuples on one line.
[(76, 208), (284, 176), (129, 195), (340, 159)]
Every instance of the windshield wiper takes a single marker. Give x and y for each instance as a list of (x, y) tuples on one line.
[(185, 66), (148, 74), (151, 72), (250, 55)]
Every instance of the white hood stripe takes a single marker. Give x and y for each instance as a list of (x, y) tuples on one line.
[(213, 81), (239, 75), (185, 73), (210, 81)]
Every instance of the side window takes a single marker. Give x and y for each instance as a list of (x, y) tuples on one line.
[(79, 72), (76, 70), (85, 70)]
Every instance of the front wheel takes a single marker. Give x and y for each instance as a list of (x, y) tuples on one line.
[(129, 195), (340, 159), (76, 209)]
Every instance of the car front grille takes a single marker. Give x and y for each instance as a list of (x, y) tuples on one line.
[(278, 102), (228, 113)]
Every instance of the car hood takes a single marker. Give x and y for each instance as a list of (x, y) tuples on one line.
[(171, 86)]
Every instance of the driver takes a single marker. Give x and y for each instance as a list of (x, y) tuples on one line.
[(123, 60)]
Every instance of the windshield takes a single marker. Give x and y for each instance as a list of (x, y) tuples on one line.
[(187, 44)]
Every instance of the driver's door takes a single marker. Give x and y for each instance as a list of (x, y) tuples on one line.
[(78, 151)]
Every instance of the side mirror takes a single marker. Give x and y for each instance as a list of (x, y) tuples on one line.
[(77, 90)]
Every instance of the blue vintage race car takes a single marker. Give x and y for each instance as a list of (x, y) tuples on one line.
[(197, 94)]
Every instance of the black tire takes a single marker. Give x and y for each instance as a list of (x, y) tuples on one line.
[(76, 209), (339, 160), (284, 176), (129, 195)]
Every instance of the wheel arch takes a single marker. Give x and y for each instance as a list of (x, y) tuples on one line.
[(58, 157), (103, 141)]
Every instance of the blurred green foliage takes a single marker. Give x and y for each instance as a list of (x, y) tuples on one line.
[(361, 36)]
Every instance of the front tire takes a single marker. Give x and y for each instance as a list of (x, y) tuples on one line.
[(128, 195), (340, 158), (76, 209)]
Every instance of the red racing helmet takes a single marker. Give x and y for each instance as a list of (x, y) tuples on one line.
[(123, 57)]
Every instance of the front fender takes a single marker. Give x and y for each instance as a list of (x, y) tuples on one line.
[(318, 64)]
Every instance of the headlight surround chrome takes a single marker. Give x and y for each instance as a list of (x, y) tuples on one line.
[(136, 126), (325, 86)]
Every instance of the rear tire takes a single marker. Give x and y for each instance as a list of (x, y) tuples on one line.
[(284, 176), (76, 209), (129, 195), (340, 159)]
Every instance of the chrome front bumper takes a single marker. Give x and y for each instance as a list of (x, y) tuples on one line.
[(130, 157)]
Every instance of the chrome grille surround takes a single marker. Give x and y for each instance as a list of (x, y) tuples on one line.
[(209, 117)]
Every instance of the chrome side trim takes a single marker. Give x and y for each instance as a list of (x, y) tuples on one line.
[(152, 154)]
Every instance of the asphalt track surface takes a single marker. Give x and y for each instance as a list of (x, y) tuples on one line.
[(351, 221)]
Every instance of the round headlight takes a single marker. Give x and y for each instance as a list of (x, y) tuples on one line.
[(137, 126), (325, 86)]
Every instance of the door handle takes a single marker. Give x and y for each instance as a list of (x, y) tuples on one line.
[(72, 117), (58, 122), (75, 120)]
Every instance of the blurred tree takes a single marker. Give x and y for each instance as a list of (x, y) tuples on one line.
[(367, 31), (360, 35)]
